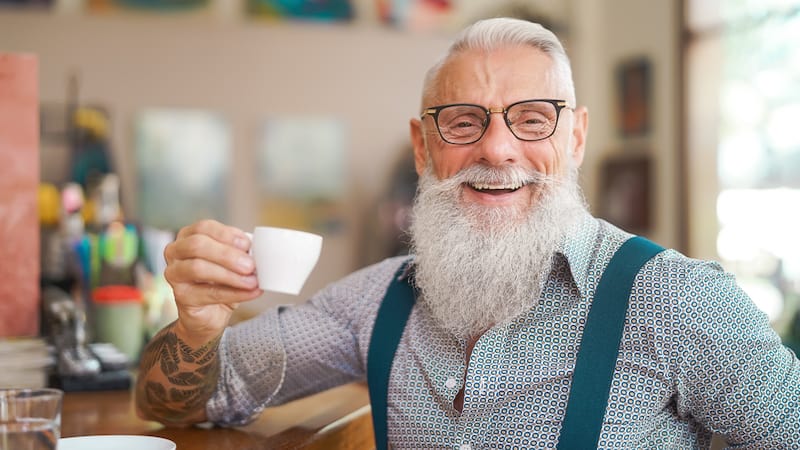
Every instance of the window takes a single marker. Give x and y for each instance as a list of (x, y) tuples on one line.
[(752, 124)]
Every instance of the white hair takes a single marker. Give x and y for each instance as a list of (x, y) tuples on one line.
[(480, 266), (492, 34)]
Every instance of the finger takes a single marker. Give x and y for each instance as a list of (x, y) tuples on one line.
[(203, 247), (220, 232), (201, 226), (201, 271), (213, 294)]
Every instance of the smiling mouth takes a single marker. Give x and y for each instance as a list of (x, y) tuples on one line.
[(495, 189)]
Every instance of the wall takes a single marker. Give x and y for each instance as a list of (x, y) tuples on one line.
[(249, 71), (602, 35)]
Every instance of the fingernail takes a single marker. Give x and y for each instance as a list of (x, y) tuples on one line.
[(250, 281), (241, 243), (245, 263)]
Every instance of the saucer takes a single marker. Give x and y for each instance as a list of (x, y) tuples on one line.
[(115, 442)]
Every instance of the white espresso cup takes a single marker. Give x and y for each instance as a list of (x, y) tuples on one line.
[(284, 258)]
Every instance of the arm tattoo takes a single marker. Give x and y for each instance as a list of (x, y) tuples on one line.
[(190, 374)]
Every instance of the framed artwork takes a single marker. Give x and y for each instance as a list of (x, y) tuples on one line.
[(415, 15), (27, 3), (625, 192), (183, 157), (634, 97), (146, 5), (320, 10)]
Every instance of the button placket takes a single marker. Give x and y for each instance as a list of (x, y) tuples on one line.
[(481, 386)]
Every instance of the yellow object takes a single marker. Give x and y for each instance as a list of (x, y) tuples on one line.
[(92, 120), (49, 204), (89, 211)]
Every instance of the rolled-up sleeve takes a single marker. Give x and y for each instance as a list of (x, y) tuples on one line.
[(293, 351), (737, 378), (252, 367)]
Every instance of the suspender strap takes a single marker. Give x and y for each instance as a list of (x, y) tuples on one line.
[(594, 368), (599, 346), (389, 324)]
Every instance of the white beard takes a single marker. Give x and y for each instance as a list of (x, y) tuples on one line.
[(479, 266)]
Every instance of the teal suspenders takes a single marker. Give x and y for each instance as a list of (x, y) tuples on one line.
[(594, 368), (389, 324), (599, 348)]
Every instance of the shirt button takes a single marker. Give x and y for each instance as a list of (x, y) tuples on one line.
[(450, 384)]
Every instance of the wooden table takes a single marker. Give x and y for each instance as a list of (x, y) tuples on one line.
[(335, 419)]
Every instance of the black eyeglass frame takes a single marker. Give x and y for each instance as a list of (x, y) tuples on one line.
[(433, 111)]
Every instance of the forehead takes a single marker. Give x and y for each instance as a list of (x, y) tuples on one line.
[(496, 78)]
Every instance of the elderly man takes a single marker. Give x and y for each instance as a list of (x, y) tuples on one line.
[(508, 327)]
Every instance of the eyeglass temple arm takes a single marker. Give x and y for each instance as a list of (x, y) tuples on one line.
[(425, 112), (565, 105)]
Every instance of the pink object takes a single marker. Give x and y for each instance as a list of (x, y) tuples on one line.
[(19, 214), (72, 198)]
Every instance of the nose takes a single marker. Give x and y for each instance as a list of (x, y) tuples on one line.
[(498, 146)]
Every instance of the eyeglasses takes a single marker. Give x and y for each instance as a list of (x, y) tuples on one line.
[(528, 120)]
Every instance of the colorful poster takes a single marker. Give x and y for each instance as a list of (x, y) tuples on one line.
[(26, 3), (183, 157), (324, 10), (19, 185), (415, 15), (152, 5)]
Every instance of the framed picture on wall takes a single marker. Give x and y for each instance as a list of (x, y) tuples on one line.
[(167, 6), (625, 190), (183, 158), (325, 11), (634, 96), (26, 3)]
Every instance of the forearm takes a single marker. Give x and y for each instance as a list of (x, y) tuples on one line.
[(176, 377)]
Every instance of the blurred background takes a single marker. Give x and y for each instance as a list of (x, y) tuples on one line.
[(156, 113)]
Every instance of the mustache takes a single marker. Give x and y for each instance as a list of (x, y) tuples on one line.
[(504, 175)]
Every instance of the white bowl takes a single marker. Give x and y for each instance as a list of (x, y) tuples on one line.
[(115, 442)]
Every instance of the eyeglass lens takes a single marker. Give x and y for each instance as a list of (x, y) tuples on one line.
[(530, 121)]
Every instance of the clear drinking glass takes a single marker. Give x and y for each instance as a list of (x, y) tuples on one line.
[(30, 419)]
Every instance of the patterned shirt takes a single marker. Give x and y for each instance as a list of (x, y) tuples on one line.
[(696, 357)]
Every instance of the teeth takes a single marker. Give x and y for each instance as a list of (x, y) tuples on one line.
[(486, 187)]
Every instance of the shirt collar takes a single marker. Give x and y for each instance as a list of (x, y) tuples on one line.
[(576, 249)]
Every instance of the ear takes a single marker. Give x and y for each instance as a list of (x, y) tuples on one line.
[(580, 128), (418, 141)]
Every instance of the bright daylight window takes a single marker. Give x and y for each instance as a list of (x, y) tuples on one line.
[(758, 155)]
